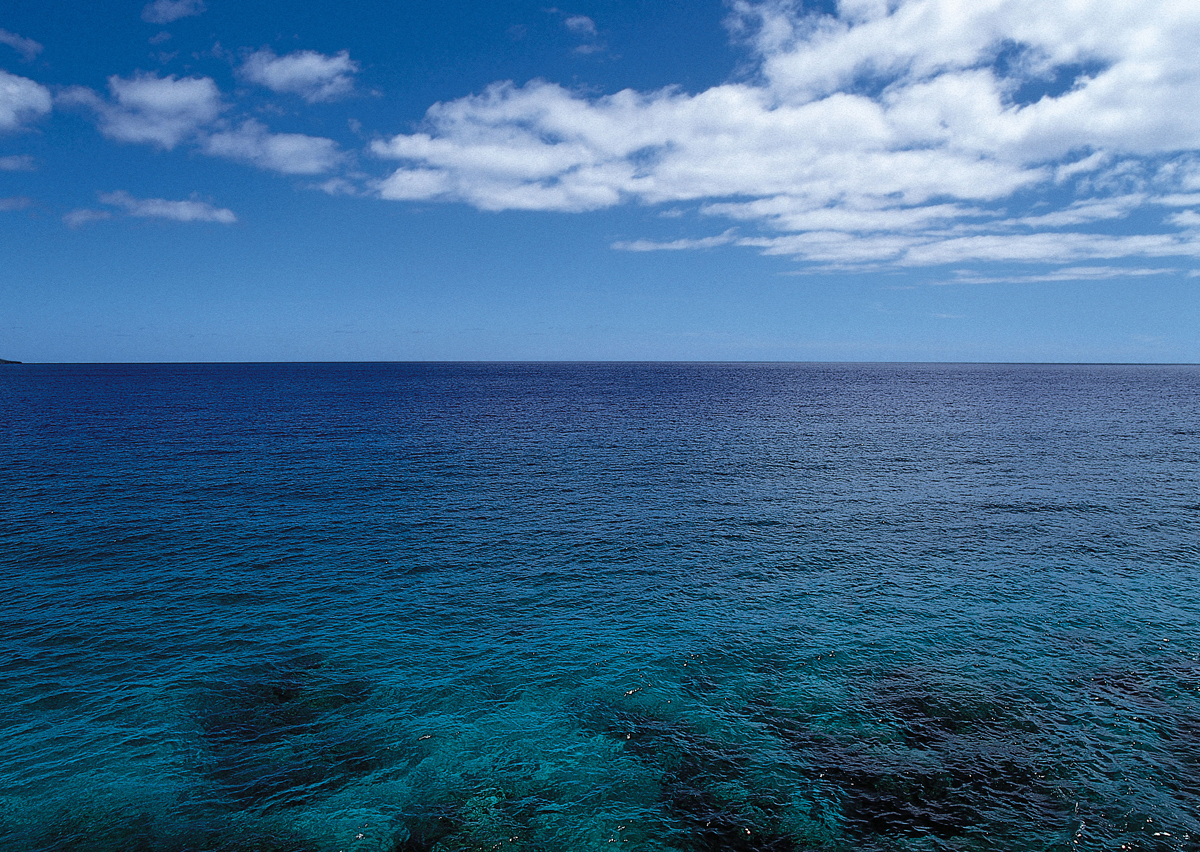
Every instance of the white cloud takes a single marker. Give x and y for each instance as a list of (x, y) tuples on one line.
[(338, 186), (79, 218), (314, 76), (21, 100), (16, 163), (908, 132), (146, 108), (288, 153), (1082, 212), (19, 202), (161, 208), (166, 111), (1185, 219), (1184, 199), (556, 150), (414, 184), (27, 47), (167, 11), (785, 213), (675, 245), (581, 24), (838, 249), (1066, 273)]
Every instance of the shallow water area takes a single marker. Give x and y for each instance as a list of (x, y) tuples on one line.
[(427, 607)]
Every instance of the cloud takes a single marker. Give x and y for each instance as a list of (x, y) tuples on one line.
[(166, 111), (19, 202), (1082, 212), (1186, 219), (160, 208), (27, 47), (147, 108), (907, 133), (288, 153), (167, 11), (338, 186), (17, 163), (1179, 199), (314, 76), (1068, 273), (581, 24), (79, 218), (841, 250), (21, 100), (675, 245), (414, 185)]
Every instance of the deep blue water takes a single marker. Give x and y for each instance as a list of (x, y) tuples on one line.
[(419, 608)]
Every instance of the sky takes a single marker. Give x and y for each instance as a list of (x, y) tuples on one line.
[(843, 180)]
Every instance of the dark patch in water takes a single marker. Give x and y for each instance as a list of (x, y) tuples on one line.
[(489, 820), (692, 765), (87, 829), (959, 797), (970, 764), (930, 715), (429, 829), (706, 824), (958, 765), (280, 734), (1162, 698)]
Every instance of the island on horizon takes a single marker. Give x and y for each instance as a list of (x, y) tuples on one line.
[(5, 361)]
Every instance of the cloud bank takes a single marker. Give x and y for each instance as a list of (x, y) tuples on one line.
[(910, 133)]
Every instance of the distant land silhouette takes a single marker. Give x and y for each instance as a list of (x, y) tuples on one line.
[(3, 361)]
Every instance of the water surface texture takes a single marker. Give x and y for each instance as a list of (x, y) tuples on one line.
[(433, 608)]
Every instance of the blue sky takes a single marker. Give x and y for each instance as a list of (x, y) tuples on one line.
[(1004, 180)]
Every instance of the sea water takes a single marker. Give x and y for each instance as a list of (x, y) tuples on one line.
[(419, 607)]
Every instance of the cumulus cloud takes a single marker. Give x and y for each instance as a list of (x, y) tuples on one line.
[(314, 76), (21, 100), (161, 208), (167, 11), (27, 47), (288, 153), (166, 111), (147, 108), (906, 133)]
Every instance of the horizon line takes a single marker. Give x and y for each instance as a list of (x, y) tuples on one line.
[(599, 362)]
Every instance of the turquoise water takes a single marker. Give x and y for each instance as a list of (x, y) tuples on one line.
[(413, 607)]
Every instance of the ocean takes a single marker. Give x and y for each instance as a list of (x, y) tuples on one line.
[(440, 607)]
